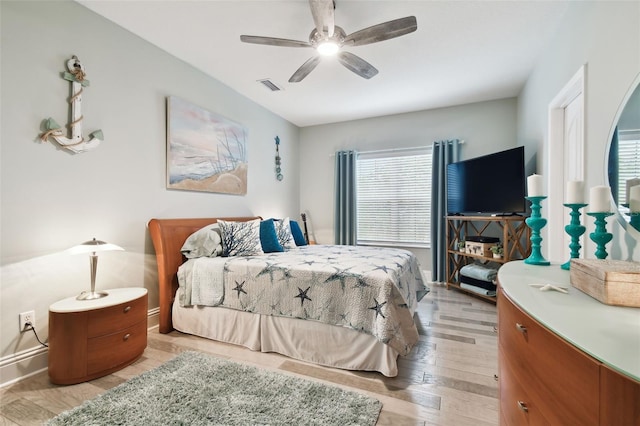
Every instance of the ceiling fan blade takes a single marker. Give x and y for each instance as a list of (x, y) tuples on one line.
[(381, 32), (305, 69), (272, 41), (323, 16), (357, 65)]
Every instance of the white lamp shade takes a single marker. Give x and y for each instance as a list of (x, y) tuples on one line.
[(93, 246)]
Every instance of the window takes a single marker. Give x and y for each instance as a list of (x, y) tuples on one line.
[(628, 161), (394, 197)]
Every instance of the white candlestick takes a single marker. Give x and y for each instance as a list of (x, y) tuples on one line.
[(535, 186), (634, 199), (575, 192), (599, 199)]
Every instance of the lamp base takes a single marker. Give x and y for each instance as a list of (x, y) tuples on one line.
[(91, 295)]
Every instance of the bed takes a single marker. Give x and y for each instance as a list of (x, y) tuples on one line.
[(346, 332)]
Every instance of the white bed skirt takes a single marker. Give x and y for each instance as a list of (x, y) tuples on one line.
[(309, 341)]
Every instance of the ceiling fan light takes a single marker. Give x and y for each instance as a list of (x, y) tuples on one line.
[(328, 48)]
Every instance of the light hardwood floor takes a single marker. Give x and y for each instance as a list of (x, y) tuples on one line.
[(447, 379)]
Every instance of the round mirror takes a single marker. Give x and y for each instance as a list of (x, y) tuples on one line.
[(624, 161)]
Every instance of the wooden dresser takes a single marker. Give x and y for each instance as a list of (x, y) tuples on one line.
[(93, 338), (564, 359)]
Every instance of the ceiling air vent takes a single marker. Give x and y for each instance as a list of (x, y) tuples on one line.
[(270, 85)]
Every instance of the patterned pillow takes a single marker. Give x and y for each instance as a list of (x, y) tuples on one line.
[(240, 238), (205, 242), (283, 229)]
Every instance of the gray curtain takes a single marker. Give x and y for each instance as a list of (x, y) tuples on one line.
[(345, 198), (444, 152)]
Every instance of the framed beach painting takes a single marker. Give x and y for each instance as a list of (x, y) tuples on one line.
[(205, 152)]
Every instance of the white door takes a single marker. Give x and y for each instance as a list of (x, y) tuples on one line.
[(565, 148), (573, 155)]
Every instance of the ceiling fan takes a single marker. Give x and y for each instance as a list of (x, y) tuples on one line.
[(328, 39)]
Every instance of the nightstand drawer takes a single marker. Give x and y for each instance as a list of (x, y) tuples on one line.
[(93, 338), (117, 317), (108, 352)]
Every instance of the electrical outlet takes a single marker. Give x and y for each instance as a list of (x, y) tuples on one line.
[(27, 317)]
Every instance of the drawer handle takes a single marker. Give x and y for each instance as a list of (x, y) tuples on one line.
[(521, 328), (495, 329), (495, 377), (126, 336), (127, 309), (523, 406)]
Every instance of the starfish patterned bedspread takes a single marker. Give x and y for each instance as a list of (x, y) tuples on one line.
[(373, 290)]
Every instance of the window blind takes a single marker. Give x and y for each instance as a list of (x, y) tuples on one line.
[(394, 197), (628, 162)]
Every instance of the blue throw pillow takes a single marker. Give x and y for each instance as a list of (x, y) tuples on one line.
[(298, 236), (269, 237)]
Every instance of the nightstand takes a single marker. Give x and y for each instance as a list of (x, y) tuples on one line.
[(93, 338)]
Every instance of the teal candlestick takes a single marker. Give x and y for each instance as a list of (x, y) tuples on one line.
[(536, 222), (600, 236), (634, 220), (575, 230)]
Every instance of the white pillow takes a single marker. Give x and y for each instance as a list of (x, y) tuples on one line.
[(205, 242), (285, 237), (240, 238)]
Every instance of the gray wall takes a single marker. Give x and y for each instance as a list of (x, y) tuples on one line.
[(485, 127), (52, 200), (606, 37)]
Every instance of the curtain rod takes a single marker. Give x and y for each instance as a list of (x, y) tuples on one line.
[(381, 151)]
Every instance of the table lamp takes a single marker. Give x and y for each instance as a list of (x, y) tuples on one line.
[(93, 246)]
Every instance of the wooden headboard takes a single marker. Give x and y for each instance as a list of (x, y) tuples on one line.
[(168, 236)]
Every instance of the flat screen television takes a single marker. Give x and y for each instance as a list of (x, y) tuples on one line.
[(491, 184)]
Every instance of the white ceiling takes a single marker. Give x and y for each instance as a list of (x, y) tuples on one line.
[(462, 52)]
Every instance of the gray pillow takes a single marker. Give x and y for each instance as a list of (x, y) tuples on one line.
[(205, 242)]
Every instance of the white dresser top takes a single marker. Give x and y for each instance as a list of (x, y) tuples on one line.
[(115, 297), (611, 334)]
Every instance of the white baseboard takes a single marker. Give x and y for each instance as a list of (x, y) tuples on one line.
[(23, 364)]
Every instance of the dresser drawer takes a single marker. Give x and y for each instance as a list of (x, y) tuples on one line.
[(118, 317), (553, 371), (517, 407), (619, 398), (110, 351), (514, 331)]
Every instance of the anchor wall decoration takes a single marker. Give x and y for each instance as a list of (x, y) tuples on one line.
[(76, 143)]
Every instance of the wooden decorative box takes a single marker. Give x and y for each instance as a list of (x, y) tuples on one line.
[(480, 245), (480, 249), (613, 282)]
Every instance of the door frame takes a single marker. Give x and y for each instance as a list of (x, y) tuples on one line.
[(556, 161)]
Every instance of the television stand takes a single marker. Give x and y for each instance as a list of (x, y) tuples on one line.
[(512, 230), (506, 214)]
